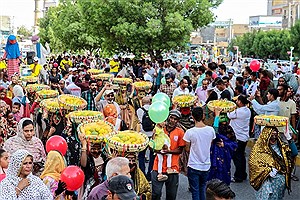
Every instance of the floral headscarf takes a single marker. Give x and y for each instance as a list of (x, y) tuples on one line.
[(35, 191)]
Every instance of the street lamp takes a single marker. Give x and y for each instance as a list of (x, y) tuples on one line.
[(291, 58)]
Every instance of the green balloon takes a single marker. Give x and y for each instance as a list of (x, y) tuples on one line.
[(162, 97), (158, 112)]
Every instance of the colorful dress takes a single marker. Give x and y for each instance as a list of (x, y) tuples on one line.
[(221, 156), (12, 54)]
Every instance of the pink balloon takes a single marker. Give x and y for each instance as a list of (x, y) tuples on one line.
[(73, 177), (255, 65)]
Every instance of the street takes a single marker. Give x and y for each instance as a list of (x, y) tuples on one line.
[(243, 190)]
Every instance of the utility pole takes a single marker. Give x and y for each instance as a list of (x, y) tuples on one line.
[(230, 29), (37, 14)]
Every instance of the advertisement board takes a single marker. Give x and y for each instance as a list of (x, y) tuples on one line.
[(265, 21)]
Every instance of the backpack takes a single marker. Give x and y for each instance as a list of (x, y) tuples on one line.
[(147, 123)]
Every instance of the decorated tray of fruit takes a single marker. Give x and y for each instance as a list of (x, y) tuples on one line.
[(29, 79), (271, 120), (104, 77), (51, 105), (122, 81), (128, 141), (36, 87), (46, 94), (184, 100), (96, 131), (71, 102), (142, 85), (227, 106), (85, 116), (95, 71)]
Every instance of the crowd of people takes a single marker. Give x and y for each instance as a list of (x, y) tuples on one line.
[(201, 143)]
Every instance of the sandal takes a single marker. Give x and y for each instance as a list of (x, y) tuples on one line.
[(295, 178), (162, 177)]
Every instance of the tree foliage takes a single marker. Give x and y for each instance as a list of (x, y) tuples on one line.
[(134, 26), (272, 44), (22, 30)]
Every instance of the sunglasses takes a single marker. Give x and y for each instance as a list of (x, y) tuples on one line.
[(110, 95)]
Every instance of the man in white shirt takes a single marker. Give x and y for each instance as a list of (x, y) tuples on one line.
[(74, 89), (182, 89), (198, 143), (146, 76), (240, 122), (146, 101), (254, 84), (109, 98), (232, 78)]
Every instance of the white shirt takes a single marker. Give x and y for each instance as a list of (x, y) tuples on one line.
[(252, 88), (147, 77), (179, 91), (240, 122), (74, 89), (200, 140), (140, 114)]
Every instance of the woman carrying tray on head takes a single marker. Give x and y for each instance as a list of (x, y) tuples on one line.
[(93, 161)]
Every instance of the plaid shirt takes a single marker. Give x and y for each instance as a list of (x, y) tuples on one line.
[(90, 99), (168, 89)]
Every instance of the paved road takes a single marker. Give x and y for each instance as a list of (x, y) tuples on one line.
[(243, 190)]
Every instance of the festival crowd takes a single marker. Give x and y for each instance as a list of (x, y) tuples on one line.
[(200, 143)]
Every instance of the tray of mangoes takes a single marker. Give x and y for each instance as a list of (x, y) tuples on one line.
[(184, 100), (51, 105), (128, 141), (142, 85), (122, 81), (36, 87), (84, 116), (30, 79), (271, 120), (103, 77), (95, 131), (227, 106), (47, 94), (94, 71), (71, 102)]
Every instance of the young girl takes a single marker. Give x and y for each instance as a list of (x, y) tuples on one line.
[(3, 163)]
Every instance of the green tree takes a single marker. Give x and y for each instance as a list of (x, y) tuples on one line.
[(22, 30), (65, 28), (272, 44), (295, 37)]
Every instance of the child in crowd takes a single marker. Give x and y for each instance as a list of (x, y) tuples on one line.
[(12, 125), (161, 142), (3, 163), (16, 111)]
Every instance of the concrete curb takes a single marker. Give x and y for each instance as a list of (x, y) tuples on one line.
[(251, 143)]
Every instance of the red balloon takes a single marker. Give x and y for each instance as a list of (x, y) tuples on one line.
[(255, 65), (73, 176), (57, 143)]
